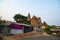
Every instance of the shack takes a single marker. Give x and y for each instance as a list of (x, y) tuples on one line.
[(18, 28), (55, 31)]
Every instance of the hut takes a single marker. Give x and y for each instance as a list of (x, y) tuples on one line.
[(18, 28)]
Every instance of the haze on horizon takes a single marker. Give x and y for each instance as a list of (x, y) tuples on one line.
[(48, 10)]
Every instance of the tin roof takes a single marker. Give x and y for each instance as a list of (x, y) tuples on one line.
[(21, 24), (55, 30)]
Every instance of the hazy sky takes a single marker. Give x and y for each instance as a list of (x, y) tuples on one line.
[(48, 10)]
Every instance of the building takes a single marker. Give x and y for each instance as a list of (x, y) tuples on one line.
[(55, 31), (18, 28), (35, 22), (28, 17)]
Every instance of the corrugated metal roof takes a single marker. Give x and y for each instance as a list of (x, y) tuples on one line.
[(54, 29), (21, 24)]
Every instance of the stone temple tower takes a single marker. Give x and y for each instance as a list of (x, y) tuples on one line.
[(28, 17), (39, 21), (34, 23)]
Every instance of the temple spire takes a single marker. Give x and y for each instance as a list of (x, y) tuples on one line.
[(28, 17)]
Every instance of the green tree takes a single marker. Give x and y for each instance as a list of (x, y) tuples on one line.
[(0, 21), (18, 17), (21, 19), (47, 29)]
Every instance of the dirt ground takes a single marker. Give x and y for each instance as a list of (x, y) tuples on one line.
[(32, 36)]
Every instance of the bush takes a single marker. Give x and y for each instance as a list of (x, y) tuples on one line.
[(47, 29)]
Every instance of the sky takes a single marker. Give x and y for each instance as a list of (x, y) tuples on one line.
[(48, 10)]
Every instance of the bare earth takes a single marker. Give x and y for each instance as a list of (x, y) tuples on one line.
[(40, 38), (31, 36)]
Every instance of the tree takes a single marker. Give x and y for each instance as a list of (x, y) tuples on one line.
[(20, 19), (0, 21), (47, 29)]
